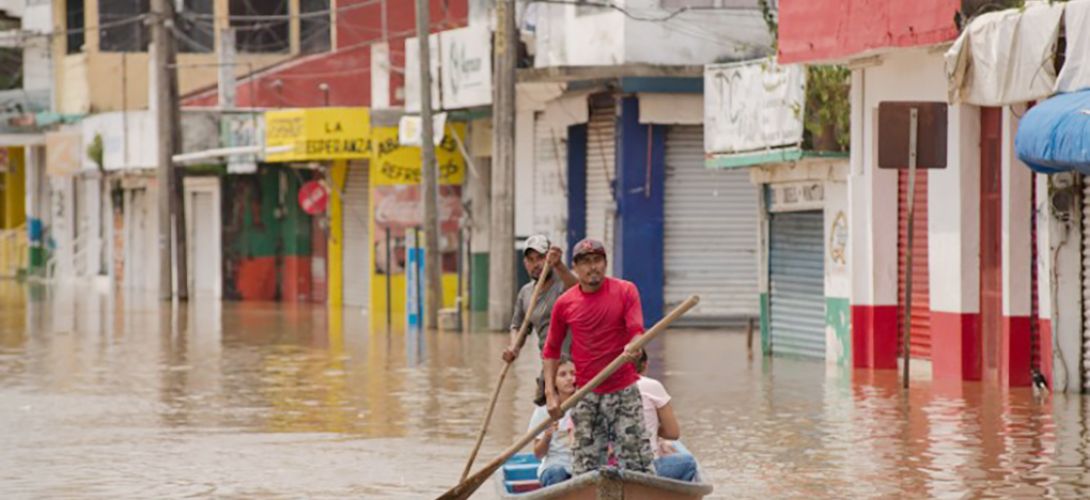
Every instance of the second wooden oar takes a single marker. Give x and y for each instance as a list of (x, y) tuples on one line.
[(524, 331), (470, 485)]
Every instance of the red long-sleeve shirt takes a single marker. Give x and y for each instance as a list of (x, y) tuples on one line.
[(602, 324)]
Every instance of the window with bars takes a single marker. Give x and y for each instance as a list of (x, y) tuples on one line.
[(73, 23), (119, 31), (195, 28), (261, 26), (314, 26)]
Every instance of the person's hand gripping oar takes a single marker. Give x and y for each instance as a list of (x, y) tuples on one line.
[(524, 331), (469, 485)]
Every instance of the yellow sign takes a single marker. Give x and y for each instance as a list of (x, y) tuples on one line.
[(397, 164), (318, 134)]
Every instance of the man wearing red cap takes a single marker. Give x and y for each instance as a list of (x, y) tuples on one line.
[(605, 317)]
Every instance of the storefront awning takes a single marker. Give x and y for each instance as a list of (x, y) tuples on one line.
[(1054, 135)]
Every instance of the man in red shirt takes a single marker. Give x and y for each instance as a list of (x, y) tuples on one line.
[(605, 317)]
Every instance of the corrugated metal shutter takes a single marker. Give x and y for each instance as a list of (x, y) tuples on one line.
[(550, 198), (921, 295), (710, 245), (601, 207), (796, 283), (1085, 282), (357, 257)]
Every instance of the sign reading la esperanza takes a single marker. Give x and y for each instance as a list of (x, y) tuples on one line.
[(318, 134)]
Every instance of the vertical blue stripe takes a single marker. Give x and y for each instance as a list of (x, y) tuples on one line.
[(639, 187)]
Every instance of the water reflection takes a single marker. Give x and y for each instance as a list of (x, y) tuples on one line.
[(126, 397)]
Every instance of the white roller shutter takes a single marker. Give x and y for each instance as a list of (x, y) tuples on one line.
[(357, 257), (600, 172), (550, 199), (711, 222)]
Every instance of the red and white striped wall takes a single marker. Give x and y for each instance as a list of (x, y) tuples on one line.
[(980, 247)]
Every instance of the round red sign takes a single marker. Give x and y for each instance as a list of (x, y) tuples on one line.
[(313, 197)]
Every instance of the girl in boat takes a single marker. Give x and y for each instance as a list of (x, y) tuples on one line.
[(553, 446), (672, 459)]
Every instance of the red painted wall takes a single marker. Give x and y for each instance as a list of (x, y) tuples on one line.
[(821, 30), (347, 69)]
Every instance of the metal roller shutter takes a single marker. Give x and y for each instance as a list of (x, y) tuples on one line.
[(357, 249), (921, 296), (550, 199), (600, 170), (797, 283), (710, 245), (1085, 282)]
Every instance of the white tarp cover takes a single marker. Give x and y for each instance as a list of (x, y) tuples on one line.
[(1075, 74), (1005, 57), (672, 109), (753, 106)]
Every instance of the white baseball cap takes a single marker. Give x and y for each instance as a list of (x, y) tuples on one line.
[(538, 243)]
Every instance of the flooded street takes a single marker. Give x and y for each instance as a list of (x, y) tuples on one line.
[(102, 398)]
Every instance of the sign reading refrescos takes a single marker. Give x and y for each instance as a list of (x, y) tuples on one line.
[(318, 134), (753, 106)]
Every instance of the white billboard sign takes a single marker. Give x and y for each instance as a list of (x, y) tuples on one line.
[(466, 69), (753, 106)]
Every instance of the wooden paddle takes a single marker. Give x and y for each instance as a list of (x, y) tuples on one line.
[(466, 488), (524, 331)]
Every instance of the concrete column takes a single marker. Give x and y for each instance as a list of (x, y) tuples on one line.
[(1064, 236), (954, 230), (872, 222), (1015, 349), (1044, 274)]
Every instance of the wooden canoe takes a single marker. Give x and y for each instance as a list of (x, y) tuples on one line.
[(517, 479)]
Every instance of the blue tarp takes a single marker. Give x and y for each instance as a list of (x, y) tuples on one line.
[(1054, 135)]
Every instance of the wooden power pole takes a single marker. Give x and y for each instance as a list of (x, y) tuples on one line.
[(501, 261), (167, 118), (433, 284)]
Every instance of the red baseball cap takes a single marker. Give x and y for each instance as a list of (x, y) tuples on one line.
[(587, 247)]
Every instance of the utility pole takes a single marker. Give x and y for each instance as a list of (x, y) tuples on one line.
[(501, 262), (226, 56), (167, 117), (433, 289)]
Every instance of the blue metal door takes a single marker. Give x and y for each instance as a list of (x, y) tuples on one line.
[(797, 284)]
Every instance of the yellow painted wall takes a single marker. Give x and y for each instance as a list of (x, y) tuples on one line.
[(338, 175), (14, 192)]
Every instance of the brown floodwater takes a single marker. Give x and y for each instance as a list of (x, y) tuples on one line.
[(106, 398)]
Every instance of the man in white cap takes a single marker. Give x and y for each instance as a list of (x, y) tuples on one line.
[(538, 254)]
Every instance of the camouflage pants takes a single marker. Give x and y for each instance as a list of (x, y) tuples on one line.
[(601, 419)]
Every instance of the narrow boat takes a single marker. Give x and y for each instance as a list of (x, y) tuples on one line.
[(517, 479)]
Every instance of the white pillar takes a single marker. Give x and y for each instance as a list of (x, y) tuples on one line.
[(954, 250)]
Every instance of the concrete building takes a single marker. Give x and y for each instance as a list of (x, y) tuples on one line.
[(610, 143), (978, 306)]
